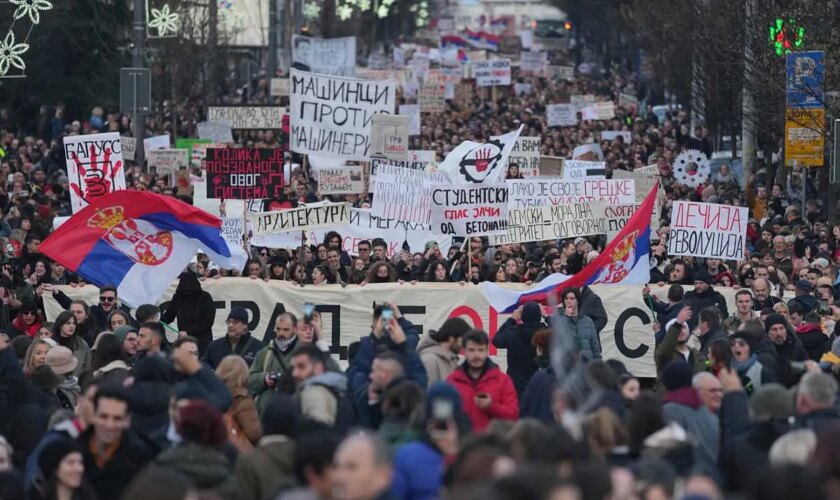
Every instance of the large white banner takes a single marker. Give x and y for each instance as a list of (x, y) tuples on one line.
[(301, 219), (325, 56), (347, 312), (94, 167), (332, 116), (543, 191), (557, 222), (708, 230)]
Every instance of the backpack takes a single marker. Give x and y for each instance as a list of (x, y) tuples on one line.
[(345, 415)]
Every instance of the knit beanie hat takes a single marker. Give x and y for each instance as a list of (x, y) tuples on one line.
[(121, 331), (21, 344), (774, 319), (54, 452), (531, 313), (677, 375), (746, 337), (771, 402)]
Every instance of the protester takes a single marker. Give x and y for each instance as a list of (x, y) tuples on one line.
[(439, 350), (241, 420), (515, 336), (321, 394), (194, 310), (237, 341)]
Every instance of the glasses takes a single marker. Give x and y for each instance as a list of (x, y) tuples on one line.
[(103, 298), (364, 249)]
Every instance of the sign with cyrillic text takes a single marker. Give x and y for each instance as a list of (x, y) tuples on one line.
[(551, 223), (491, 73), (708, 230), (341, 180), (244, 174), (470, 210), (543, 191), (302, 219), (577, 169), (525, 155), (247, 117), (167, 161), (95, 167), (561, 115), (403, 194), (389, 136)]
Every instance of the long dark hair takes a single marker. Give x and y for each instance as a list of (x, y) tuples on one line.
[(70, 342), (108, 350)]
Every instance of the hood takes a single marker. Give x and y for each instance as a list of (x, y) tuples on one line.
[(427, 345), (280, 450), (149, 398), (206, 466), (686, 396), (188, 283), (154, 369), (334, 380), (808, 329)]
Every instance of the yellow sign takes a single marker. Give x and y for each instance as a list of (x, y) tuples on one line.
[(804, 137)]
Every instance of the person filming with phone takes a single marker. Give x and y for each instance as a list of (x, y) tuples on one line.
[(390, 331)]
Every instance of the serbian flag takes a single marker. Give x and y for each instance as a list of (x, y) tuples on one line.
[(139, 242), (625, 261), (452, 41)]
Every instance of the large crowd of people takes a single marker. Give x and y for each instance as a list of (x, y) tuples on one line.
[(102, 402)]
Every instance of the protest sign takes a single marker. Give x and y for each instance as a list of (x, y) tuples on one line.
[(416, 160), (551, 223), (198, 150), (247, 117), (611, 135), (551, 166), (543, 191), (470, 210), (156, 142), (341, 180), (167, 161), (532, 61), (577, 169), (413, 113), (628, 101), (708, 230), (579, 101), (215, 131), (129, 146), (332, 116), (526, 155), (389, 136), (598, 111), (431, 98), (95, 167), (325, 56), (648, 170), (615, 217), (301, 219), (403, 193), (644, 182), (233, 230), (523, 88), (560, 72), (588, 152), (561, 115), (244, 174), (183, 182), (279, 87), (492, 72), (476, 162)]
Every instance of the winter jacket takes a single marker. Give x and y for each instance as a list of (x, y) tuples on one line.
[(81, 351), (700, 300), (318, 396), (113, 477), (418, 471), (818, 420), (666, 352), (206, 381), (499, 386), (815, 342), (270, 359), (582, 329), (769, 359), (752, 374), (247, 348), (592, 306), (665, 312), (206, 466), (361, 364), (684, 407), (807, 302), (194, 310), (710, 338), (268, 469), (368, 413), (438, 361), (244, 412), (148, 397), (789, 355), (536, 401), (99, 318), (12, 387), (521, 355)]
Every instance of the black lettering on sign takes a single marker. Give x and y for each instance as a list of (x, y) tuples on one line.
[(421, 310), (642, 349), (269, 334), (335, 325), (251, 306)]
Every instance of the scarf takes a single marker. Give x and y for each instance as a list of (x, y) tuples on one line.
[(742, 366)]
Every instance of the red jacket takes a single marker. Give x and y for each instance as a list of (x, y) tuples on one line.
[(498, 385)]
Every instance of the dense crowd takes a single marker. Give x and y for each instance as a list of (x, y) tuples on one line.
[(104, 402)]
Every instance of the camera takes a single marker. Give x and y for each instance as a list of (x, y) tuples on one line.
[(308, 311), (274, 376)]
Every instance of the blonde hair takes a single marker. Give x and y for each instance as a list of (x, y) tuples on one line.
[(30, 353), (233, 371), (604, 431)]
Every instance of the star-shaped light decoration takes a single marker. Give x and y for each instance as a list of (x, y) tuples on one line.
[(311, 10), (364, 4), (164, 21), (31, 8), (231, 18), (344, 12), (10, 53)]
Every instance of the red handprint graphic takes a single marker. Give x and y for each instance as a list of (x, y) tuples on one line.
[(99, 178)]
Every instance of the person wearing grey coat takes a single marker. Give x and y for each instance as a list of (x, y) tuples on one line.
[(581, 327)]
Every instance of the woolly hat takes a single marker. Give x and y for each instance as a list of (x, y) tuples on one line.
[(53, 453), (20, 344), (773, 320), (704, 277), (676, 375), (746, 337), (531, 313), (771, 402)]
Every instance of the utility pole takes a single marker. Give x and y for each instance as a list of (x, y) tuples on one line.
[(138, 60), (748, 102), (833, 176), (273, 35)]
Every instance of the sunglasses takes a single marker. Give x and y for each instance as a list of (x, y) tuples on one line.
[(263, 254), (107, 299)]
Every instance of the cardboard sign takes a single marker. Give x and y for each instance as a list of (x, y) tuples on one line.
[(534, 62), (279, 87), (403, 194), (708, 230), (560, 72), (523, 89), (561, 115), (233, 230), (95, 167), (247, 117), (214, 131), (431, 98), (167, 161), (589, 152), (576, 169), (628, 101), (156, 142), (550, 191), (332, 116), (129, 146), (582, 100), (470, 210), (611, 135), (493, 72), (413, 113), (325, 56), (341, 180), (526, 155), (244, 174), (551, 223), (302, 219), (598, 111), (389, 136)]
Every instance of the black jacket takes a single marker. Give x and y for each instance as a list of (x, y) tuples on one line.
[(807, 302), (111, 480), (818, 420), (148, 397), (536, 401), (194, 310), (710, 338), (592, 306), (247, 347), (789, 355), (700, 300), (521, 355)]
